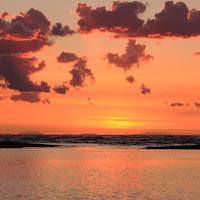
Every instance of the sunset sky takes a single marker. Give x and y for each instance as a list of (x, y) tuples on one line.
[(105, 67)]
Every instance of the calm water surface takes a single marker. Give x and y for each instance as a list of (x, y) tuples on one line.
[(99, 173)]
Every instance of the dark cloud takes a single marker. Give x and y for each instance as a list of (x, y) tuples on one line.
[(90, 101), (133, 55), (61, 89), (35, 20), (32, 25), (130, 79), (40, 67), (80, 73), (145, 90), (13, 46), (179, 104), (4, 15), (17, 30), (175, 20), (2, 24), (197, 104), (66, 57), (27, 32), (16, 71), (31, 97), (46, 101), (3, 85), (122, 15), (59, 30), (197, 53)]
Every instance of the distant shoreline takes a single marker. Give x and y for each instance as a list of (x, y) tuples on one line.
[(195, 147), (9, 144)]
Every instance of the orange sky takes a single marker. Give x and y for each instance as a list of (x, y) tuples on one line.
[(110, 104)]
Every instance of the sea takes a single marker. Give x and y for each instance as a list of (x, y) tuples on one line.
[(90, 166)]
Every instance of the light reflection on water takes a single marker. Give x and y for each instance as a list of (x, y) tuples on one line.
[(99, 173)]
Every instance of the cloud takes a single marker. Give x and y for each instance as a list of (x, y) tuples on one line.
[(32, 25), (179, 104), (3, 85), (80, 73), (31, 97), (174, 20), (27, 26), (59, 30), (46, 101), (14, 30), (197, 104), (145, 90), (122, 15), (66, 57), (13, 46), (62, 89), (27, 32), (133, 55), (197, 53), (4, 15), (16, 71), (35, 20), (90, 101), (130, 79)]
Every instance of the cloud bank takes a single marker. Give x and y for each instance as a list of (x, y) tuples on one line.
[(174, 20), (121, 16)]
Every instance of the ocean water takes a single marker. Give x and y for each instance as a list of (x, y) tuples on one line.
[(99, 172)]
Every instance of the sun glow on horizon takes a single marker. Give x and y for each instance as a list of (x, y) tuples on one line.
[(121, 123)]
